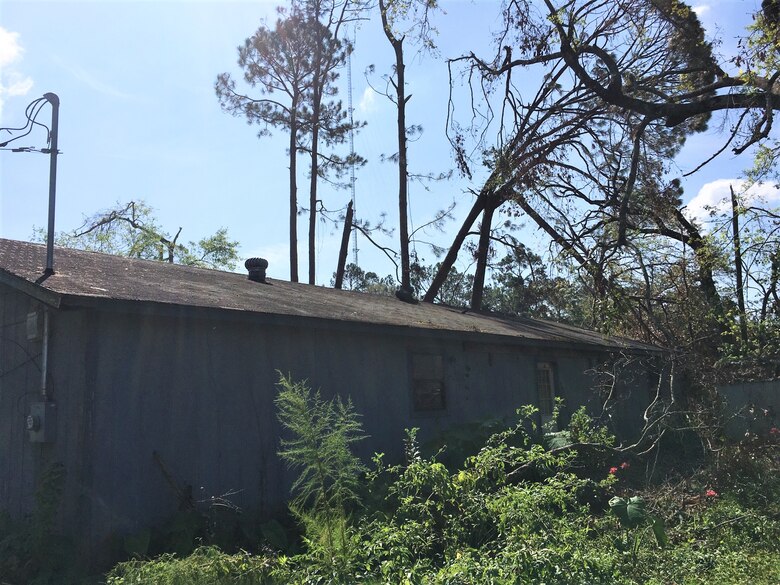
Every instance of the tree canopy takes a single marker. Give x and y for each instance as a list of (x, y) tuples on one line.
[(131, 229), (575, 121), (291, 71)]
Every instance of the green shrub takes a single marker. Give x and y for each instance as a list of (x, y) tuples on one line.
[(319, 436), (517, 511), (205, 566)]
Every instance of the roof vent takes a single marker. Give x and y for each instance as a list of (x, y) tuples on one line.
[(256, 268)]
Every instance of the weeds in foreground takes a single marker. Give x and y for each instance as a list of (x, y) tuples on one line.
[(205, 566), (32, 551), (317, 443), (519, 510)]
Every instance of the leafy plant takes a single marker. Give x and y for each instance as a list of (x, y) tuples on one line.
[(320, 434), (583, 429), (205, 566), (518, 511), (634, 517)]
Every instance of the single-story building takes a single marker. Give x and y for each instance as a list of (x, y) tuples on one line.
[(112, 365)]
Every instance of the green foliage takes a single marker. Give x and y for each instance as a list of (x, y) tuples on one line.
[(320, 436), (630, 511), (355, 278), (32, 551), (519, 512), (131, 229), (583, 429), (456, 290), (205, 566), (292, 72), (182, 530), (758, 55), (137, 545), (522, 285), (214, 251), (454, 445), (212, 521), (275, 534), (634, 517), (477, 523)]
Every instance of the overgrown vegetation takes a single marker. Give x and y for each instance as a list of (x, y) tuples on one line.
[(32, 551), (205, 566), (321, 433), (520, 509)]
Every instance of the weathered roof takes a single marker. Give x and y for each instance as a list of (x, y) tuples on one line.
[(81, 276)]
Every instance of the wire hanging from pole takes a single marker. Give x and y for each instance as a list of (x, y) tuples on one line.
[(31, 113)]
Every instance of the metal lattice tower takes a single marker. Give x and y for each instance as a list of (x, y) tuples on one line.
[(352, 147)]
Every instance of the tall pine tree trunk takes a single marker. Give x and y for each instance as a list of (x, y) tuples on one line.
[(316, 109), (315, 133), (403, 195), (401, 99), (740, 290)]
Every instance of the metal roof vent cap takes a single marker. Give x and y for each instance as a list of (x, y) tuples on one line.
[(256, 268)]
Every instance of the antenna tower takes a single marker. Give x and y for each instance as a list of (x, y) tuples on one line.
[(352, 146)]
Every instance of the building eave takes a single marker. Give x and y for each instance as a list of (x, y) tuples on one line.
[(31, 289), (473, 339)]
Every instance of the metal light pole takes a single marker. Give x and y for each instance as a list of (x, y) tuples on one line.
[(31, 113), (55, 120)]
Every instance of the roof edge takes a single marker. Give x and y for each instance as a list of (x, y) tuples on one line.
[(33, 289), (173, 310)]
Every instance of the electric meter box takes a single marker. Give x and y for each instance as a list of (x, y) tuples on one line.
[(41, 422)]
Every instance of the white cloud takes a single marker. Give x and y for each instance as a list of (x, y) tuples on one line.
[(715, 197), (12, 82), (16, 84), (367, 101), (701, 9), (10, 49)]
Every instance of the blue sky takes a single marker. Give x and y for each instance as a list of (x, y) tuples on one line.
[(139, 120)]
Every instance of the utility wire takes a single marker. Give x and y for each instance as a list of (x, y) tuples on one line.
[(30, 149), (31, 112)]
